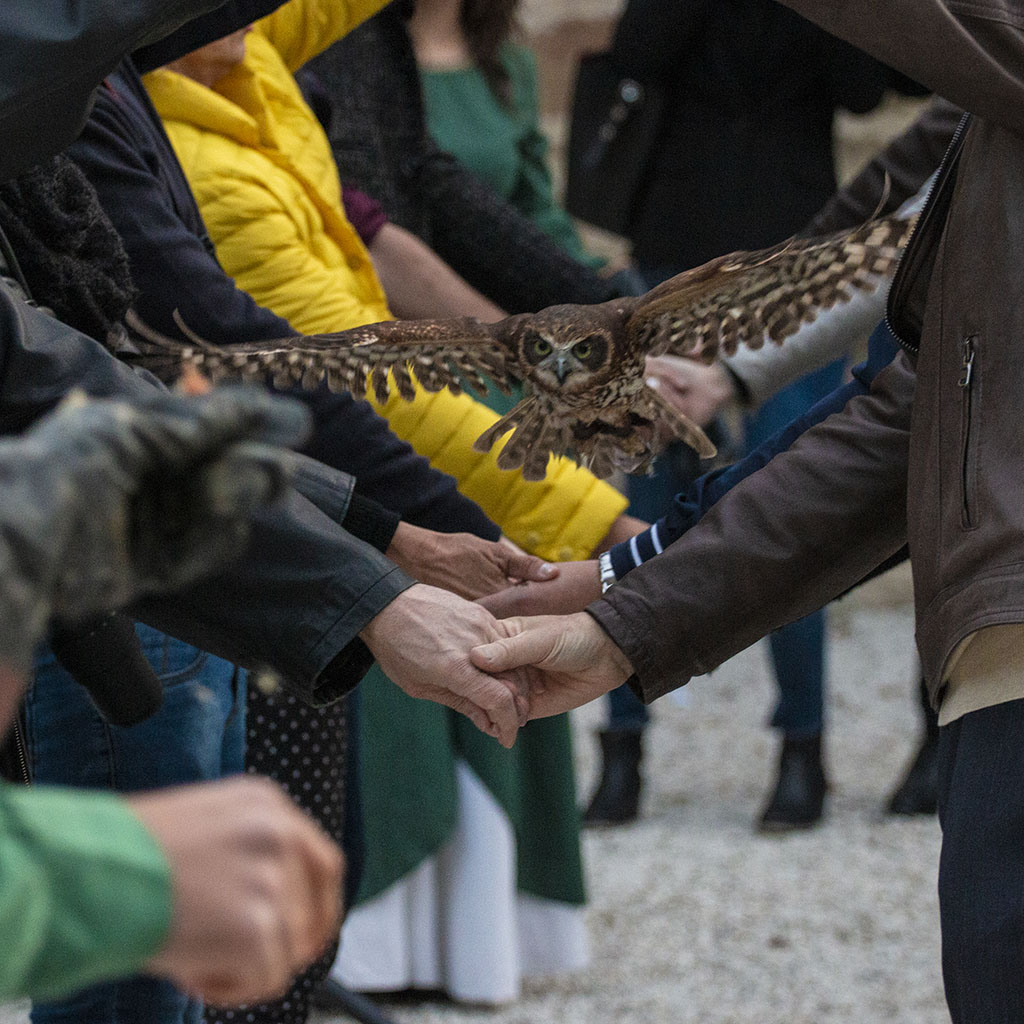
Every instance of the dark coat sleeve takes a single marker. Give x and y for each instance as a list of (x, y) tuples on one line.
[(782, 543), (126, 156), (297, 605)]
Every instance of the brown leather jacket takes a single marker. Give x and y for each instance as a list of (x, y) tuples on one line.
[(945, 472)]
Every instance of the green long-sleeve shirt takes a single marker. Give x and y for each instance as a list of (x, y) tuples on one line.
[(85, 892), (502, 145)]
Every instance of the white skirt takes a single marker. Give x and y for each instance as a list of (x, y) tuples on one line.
[(457, 924)]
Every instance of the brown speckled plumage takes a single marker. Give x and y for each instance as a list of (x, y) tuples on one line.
[(582, 366)]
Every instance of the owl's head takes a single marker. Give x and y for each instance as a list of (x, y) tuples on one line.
[(568, 354)]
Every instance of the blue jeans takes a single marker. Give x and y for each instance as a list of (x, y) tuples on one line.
[(798, 650), (198, 733)]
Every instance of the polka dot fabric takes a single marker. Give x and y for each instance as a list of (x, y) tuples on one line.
[(303, 749)]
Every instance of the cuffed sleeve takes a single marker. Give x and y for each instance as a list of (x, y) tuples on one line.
[(85, 892)]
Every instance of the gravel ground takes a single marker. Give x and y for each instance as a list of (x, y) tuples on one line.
[(694, 917)]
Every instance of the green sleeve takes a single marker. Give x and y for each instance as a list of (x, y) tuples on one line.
[(534, 194), (85, 892)]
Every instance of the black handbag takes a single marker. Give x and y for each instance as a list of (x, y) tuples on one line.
[(614, 125)]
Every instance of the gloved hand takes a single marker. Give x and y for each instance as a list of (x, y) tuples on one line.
[(104, 501)]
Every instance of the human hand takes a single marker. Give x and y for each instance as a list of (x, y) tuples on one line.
[(256, 888), (106, 500), (577, 585), (697, 390), (422, 642), (466, 565), (576, 660)]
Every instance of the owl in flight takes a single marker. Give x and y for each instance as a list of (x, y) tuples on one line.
[(582, 366)]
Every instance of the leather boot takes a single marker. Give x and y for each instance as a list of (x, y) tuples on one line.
[(918, 793), (617, 797), (799, 795)]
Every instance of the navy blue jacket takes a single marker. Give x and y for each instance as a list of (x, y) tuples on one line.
[(127, 156)]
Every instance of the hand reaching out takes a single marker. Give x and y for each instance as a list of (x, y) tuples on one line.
[(256, 888), (578, 584), (466, 565), (697, 390), (575, 659), (422, 642)]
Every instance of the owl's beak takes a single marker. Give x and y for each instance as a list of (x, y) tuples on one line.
[(561, 369)]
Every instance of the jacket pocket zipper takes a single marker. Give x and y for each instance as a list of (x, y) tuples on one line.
[(968, 430)]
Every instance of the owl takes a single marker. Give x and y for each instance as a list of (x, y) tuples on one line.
[(582, 367)]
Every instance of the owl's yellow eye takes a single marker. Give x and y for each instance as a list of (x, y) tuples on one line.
[(582, 349), (541, 347)]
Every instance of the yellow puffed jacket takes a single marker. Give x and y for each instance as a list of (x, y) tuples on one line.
[(267, 185)]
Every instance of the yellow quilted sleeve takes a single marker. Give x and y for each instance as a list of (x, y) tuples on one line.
[(300, 29)]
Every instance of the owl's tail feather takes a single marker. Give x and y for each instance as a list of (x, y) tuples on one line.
[(683, 427)]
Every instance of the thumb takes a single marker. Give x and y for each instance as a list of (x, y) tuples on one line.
[(521, 566), (524, 647)]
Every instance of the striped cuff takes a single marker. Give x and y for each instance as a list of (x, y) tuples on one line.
[(637, 550)]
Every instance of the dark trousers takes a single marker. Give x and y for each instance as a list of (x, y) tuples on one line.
[(981, 870)]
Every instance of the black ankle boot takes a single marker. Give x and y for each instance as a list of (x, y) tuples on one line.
[(617, 797), (918, 793), (799, 795)]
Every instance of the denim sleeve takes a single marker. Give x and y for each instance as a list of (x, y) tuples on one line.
[(690, 505)]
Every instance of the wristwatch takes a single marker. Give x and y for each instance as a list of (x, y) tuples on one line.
[(607, 572)]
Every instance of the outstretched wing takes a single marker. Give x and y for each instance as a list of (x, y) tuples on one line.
[(746, 297), (441, 353)]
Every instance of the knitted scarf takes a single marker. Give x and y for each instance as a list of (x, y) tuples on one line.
[(71, 256)]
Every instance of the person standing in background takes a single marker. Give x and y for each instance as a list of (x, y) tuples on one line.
[(743, 159)]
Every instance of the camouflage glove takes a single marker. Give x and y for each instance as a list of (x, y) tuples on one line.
[(104, 501)]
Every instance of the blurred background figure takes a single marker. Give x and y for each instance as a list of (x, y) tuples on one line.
[(743, 159)]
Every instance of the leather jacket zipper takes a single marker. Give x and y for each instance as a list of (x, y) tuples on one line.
[(968, 384), (19, 746), (902, 316)]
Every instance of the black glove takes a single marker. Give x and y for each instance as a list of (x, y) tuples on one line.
[(104, 501)]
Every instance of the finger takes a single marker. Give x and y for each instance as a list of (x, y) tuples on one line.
[(523, 682), (497, 699), (476, 715), (176, 432), (529, 647), (520, 566), (325, 868)]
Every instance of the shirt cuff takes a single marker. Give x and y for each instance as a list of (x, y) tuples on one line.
[(371, 522), (637, 550)]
